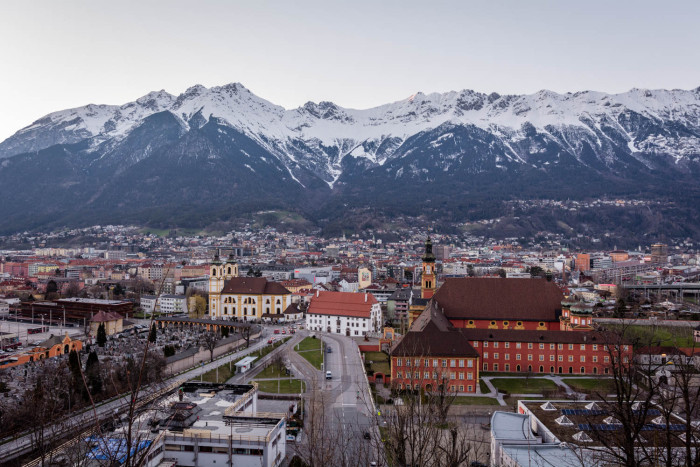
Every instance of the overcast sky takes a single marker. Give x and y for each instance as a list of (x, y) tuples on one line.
[(61, 54)]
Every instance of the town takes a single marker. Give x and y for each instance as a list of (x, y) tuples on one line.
[(280, 348)]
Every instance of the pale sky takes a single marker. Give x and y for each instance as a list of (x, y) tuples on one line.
[(359, 54)]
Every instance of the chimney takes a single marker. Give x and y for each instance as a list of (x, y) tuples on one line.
[(318, 292), (365, 297)]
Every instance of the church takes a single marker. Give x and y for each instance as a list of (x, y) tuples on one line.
[(243, 298)]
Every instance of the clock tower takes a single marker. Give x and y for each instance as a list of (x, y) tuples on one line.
[(428, 277)]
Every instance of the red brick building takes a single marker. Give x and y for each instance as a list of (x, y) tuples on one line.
[(498, 303), (434, 353)]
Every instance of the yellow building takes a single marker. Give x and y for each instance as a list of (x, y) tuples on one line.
[(114, 323), (243, 298)]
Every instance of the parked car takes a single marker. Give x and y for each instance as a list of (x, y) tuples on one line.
[(329, 350), (277, 331), (329, 375)]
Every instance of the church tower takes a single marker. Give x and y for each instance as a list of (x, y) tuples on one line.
[(230, 268), (429, 277), (216, 285)]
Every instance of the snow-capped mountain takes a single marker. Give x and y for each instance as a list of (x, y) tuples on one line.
[(450, 143)]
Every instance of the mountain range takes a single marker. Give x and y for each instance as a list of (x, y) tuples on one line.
[(214, 154)]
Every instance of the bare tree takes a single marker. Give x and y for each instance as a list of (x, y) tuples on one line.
[(209, 340)]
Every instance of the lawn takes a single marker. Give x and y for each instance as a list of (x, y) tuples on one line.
[(380, 362), (465, 400), (228, 370), (282, 386), (484, 389), (641, 336), (590, 384), (524, 385), (312, 350), (274, 370)]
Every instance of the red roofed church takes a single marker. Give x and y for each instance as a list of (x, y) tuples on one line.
[(348, 313)]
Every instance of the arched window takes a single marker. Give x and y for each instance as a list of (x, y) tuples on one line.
[(213, 272), (518, 368), (541, 369), (583, 369), (267, 301), (228, 271), (278, 301)]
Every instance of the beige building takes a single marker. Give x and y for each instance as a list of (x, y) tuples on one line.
[(114, 323)]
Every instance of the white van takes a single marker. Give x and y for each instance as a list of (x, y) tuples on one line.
[(329, 375)]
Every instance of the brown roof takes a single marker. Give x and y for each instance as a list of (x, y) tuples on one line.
[(103, 317), (357, 305), (497, 298), (432, 335), (253, 286), (292, 310)]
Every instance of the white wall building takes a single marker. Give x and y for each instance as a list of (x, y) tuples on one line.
[(349, 314)]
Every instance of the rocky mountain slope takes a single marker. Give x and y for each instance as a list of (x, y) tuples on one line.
[(211, 154)]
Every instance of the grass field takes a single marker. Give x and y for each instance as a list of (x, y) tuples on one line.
[(282, 386), (273, 371), (465, 400), (380, 362), (641, 336), (524, 385), (228, 370), (590, 384), (312, 350), (484, 388)]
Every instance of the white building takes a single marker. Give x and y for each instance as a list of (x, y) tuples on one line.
[(148, 303), (350, 314), (172, 304)]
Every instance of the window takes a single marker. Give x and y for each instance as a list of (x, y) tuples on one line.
[(444, 363), (452, 388), (417, 361), (541, 324), (507, 366), (486, 355), (398, 374), (517, 345), (471, 322), (495, 345), (505, 324), (470, 363), (495, 367), (426, 374), (471, 388), (560, 358), (520, 323), (583, 346), (461, 389), (595, 346), (470, 375), (583, 358), (493, 323), (595, 359), (461, 363), (507, 356), (551, 358), (461, 376), (495, 355), (541, 346), (486, 367), (583, 370), (529, 345), (475, 344), (560, 346), (606, 359), (435, 362), (541, 358), (408, 362), (426, 363), (529, 357), (551, 346), (486, 344), (571, 346), (453, 363), (571, 358), (517, 356), (507, 344)]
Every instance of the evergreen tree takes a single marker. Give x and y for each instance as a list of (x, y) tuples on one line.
[(152, 336), (92, 373), (101, 335), (74, 365)]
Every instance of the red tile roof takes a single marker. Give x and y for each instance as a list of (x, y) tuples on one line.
[(356, 305)]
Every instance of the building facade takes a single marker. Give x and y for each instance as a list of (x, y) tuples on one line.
[(346, 313)]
